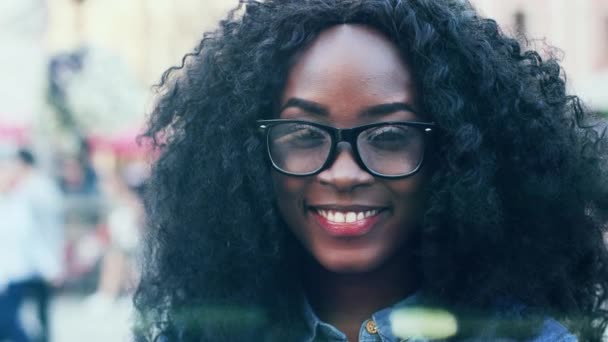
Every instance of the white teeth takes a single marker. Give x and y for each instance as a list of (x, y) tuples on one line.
[(348, 217), (351, 217), (339, 217)]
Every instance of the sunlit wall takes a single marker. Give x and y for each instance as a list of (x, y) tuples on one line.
[(578, 28), (150, 34)]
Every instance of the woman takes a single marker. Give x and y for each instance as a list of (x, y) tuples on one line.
[(329, 164)]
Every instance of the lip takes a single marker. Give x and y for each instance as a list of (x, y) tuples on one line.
[(350, 229), (351, 207)]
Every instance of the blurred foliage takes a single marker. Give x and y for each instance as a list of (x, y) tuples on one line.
[(419, 322)]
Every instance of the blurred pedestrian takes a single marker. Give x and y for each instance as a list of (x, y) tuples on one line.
[(41, 196), (124, 221), (16, 230)]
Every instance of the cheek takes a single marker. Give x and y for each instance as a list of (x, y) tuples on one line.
[(410, 195), (284, 185), (289, 192)]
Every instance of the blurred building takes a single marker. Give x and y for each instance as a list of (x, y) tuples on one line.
[(578, 28), (153, 34), (22, 63)]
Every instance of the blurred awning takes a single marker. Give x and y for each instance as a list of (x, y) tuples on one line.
[(124, 144), (14, 133)]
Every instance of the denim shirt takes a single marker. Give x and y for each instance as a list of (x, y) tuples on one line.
[(378, 328)]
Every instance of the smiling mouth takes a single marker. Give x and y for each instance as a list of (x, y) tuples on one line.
[(347, 222), (336, 216)]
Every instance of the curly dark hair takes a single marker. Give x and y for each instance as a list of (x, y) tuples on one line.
[(517, 202)]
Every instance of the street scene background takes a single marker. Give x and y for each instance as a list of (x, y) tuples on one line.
[(77, 83)]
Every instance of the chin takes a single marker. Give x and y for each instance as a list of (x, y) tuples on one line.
[(347, 264)]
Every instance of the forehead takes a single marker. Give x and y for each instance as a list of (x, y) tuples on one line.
[(349, 67)]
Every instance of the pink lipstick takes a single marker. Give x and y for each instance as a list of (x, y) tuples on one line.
[(346, 223)]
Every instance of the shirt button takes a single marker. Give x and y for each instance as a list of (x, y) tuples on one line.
[(371, 327)]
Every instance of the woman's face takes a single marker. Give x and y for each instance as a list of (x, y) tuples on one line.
[(348, 69)]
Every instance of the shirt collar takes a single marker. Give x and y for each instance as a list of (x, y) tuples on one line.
[(318, 329), (382, 317)]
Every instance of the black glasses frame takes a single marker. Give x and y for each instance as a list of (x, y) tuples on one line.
[(348, 135)]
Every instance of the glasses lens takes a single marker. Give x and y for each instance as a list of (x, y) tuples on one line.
[(298, 148), (391, 150)]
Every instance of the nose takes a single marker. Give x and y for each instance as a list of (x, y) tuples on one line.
[(344, 173)]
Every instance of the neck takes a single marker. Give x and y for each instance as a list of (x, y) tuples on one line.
[(346, 300)]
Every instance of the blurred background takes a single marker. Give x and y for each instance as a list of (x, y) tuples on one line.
[(74, 92)]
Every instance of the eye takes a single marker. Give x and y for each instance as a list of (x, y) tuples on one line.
[(298, 135), (388, 137)]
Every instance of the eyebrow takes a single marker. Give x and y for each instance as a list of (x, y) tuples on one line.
[(387, 108), (308, 106), (376, 110)]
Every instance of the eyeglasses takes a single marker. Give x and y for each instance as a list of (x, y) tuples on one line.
[(384, 149)]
